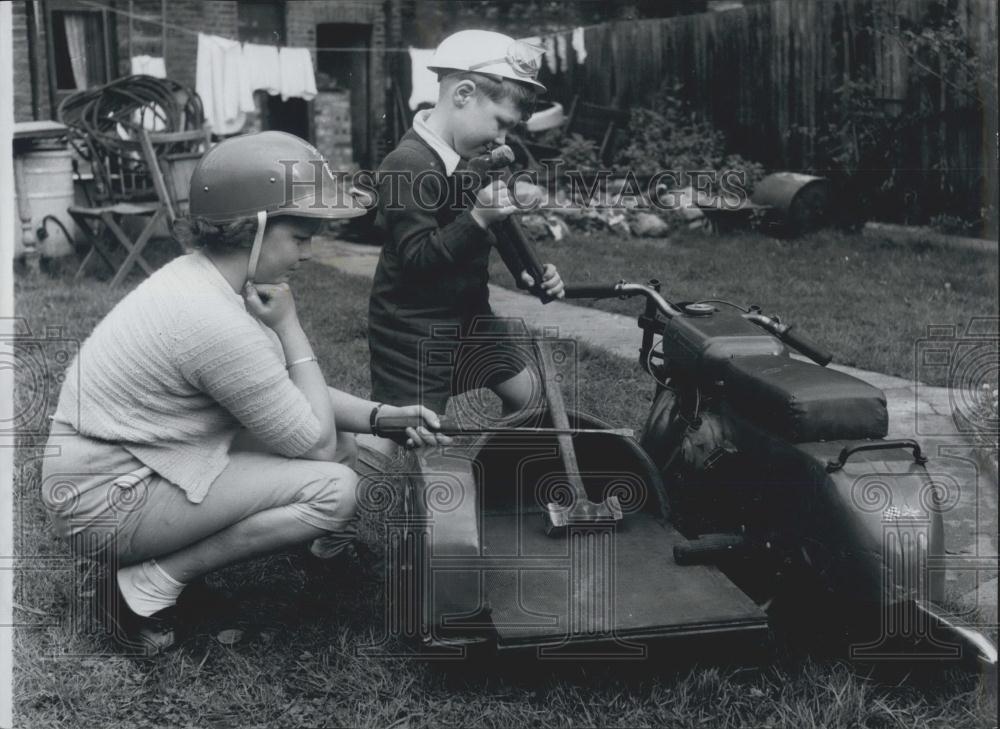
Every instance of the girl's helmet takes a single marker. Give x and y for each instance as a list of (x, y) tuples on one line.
[(266, 175), (273, 172)]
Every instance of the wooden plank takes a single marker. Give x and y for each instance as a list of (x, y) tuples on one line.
[(779, 92), (768, 115)]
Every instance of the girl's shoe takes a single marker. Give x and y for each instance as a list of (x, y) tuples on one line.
[(355, 559), (136, 634)]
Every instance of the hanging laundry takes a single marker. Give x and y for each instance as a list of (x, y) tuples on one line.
[(562, 52), (262, 65), (423, 81), (149, 66), (549, 43), (222, 85), (297, 76), (579, 46)]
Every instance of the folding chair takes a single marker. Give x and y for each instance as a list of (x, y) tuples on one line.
[(93, 221), (167, 161), (123, 191), (172, 157), (603, 123)]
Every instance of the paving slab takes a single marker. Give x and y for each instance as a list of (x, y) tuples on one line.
[(916, 411), (983, 600)]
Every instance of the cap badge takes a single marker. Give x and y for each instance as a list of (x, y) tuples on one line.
[(524, 58)]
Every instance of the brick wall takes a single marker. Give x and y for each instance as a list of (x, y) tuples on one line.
[(332, 113), (142, 33), (22, 67), (395, 24), (301, 21), (22, 70), (215, 17), (139, 34)]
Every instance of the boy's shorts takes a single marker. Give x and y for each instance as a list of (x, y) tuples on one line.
[(482, 354)]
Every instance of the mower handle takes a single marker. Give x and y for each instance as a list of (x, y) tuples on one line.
[(591, 292), (806, 346), (624, 290), (510, 233), (782, 331), (795, 340)]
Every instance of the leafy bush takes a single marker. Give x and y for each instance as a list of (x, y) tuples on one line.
[(955, 225), (753, 172), (867, 142), (861, 145), (580, 154), (669, 136)]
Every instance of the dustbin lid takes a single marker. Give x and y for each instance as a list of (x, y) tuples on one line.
[(779, 189), (39, 130)]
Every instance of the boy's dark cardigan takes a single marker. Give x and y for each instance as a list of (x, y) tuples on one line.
[(433, 270)]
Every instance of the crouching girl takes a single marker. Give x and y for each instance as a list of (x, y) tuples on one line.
[(196, 429)]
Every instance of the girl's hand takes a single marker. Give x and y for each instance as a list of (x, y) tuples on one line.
[(272, 304), (421, 437)]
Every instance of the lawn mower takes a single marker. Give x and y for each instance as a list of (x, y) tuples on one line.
[(760, 482), (761, 485)]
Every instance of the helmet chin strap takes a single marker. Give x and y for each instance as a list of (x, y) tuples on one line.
[(258, 239)]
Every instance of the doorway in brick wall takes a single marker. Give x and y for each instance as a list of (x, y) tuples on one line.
[(341, 109), (263, 22)]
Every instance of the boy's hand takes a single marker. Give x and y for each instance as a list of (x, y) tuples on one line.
[(552, 283), (272, 304), (493, 204)]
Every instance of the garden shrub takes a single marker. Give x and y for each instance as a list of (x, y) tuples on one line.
[(582, 154), (868, 143), (954, 225), (663, 136), (667, 135)]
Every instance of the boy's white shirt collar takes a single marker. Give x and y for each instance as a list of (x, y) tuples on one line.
[(449, 156)]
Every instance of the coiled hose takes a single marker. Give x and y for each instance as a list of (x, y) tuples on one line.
[(104, 124)]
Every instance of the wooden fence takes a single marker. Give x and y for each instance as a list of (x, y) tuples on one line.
[(767, 73)]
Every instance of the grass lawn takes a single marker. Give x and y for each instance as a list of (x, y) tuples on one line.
[(867, 301), (297, 663)]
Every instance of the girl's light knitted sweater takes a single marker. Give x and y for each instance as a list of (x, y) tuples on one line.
[(174, 371)]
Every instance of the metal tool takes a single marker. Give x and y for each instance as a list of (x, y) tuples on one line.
[(517, 252), (394, 425), (582, 509)]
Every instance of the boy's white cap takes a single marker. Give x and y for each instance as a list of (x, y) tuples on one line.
[(487, 52)]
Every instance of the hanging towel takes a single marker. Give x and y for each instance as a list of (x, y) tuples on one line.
[(561, 52), (151, 117), (297, 75), (262, 66), (579, 45), (221, 84), (424, 81), (550, 52), (149, 66)]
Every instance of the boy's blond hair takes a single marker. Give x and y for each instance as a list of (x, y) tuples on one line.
[(522, 95)]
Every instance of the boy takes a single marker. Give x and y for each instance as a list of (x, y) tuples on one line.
[(433, 273)]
